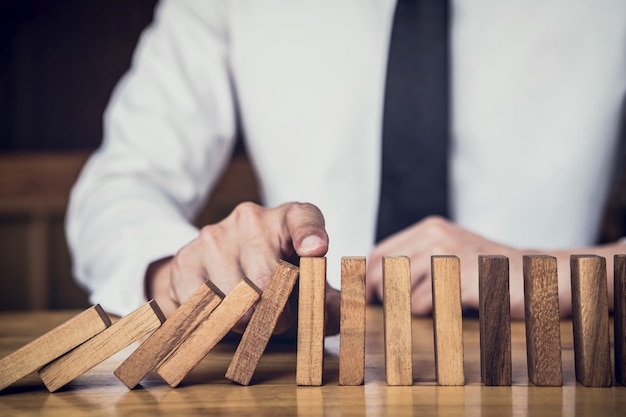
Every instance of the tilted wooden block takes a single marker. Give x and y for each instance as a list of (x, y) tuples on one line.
[(311, 321), (208, 333), (52, 344), (590, 318), (352, 321), (494, 320), (619, 313), (447, 320), (120, 334), (175, 329), (397, 320), (262, 323), (543, 328)]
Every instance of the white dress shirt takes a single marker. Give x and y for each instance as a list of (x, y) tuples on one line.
[(537, 89)]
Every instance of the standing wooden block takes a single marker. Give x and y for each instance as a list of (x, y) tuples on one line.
[(447, 320), (352, 321), (397, 320), (311, 321), (208, 333), (619, 321), (161, 343), (590, 318), (494, 320), (543, 331), (262, 323), (52, 344), (121, 334)]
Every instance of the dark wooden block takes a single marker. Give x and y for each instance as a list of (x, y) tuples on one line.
[(619, 314)]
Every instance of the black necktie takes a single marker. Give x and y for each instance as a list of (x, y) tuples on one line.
[(415, 123)]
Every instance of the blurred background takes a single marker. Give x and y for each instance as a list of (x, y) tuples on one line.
[(59, 62)]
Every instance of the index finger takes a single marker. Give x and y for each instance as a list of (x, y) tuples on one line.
[(306, 226)]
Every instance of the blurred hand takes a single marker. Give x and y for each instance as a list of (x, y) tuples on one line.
[(248, 243)]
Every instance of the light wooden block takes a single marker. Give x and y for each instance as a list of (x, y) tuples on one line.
[(447, 320), (397, 320), (494, 320), (208, 333), (311, 321), (619, 320), (175, 329), (352, 321), (120, 334), (590, 319), (262, 323), (543, 328), (52, 345)]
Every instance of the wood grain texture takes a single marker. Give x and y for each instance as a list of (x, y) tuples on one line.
[(262, 323), (122, 333), (590, 320), (52, 345), (543, 330), (397, 320), (495, 320), (311, 321), (175, 329), (619, 320), (208, 333), (352, 321), (447, 320)]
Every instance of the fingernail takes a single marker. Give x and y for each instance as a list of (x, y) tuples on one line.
[(311, 243)]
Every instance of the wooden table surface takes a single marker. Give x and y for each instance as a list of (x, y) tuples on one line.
[(273, 392)]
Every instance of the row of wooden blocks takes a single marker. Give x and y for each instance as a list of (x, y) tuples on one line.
[(179, 343)]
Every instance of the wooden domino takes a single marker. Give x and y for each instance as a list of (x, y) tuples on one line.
[(311, 321), (120, 334), (352, 321), (52, 345), (619, 321), (397, 320), (543, 329), (262, 323), (161, 343), (447, 320), (590, 319), (494, 320), (208, 333)]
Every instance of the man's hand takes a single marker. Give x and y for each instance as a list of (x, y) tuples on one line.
[(437, 236), (248, 243)]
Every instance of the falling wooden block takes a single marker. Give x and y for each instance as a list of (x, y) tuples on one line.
[(52, 344), (208, 333), (175, 329), (447, 320), (352, 321), (262, 323), (619, 320), (494, 320), (590, 318), (120, 334), (311, 321), (543, 329), (397, 320)]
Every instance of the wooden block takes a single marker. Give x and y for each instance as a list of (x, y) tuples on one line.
[(397, 320), (590, 318), (311, 321), (262, 323), (352, 321), (619, 314), (175, 329), (494, 320), (447, 320), (208, 333), (120, 334), (52, 344), (543, 328)]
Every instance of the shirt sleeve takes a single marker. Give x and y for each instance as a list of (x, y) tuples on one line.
[(168, 131)]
